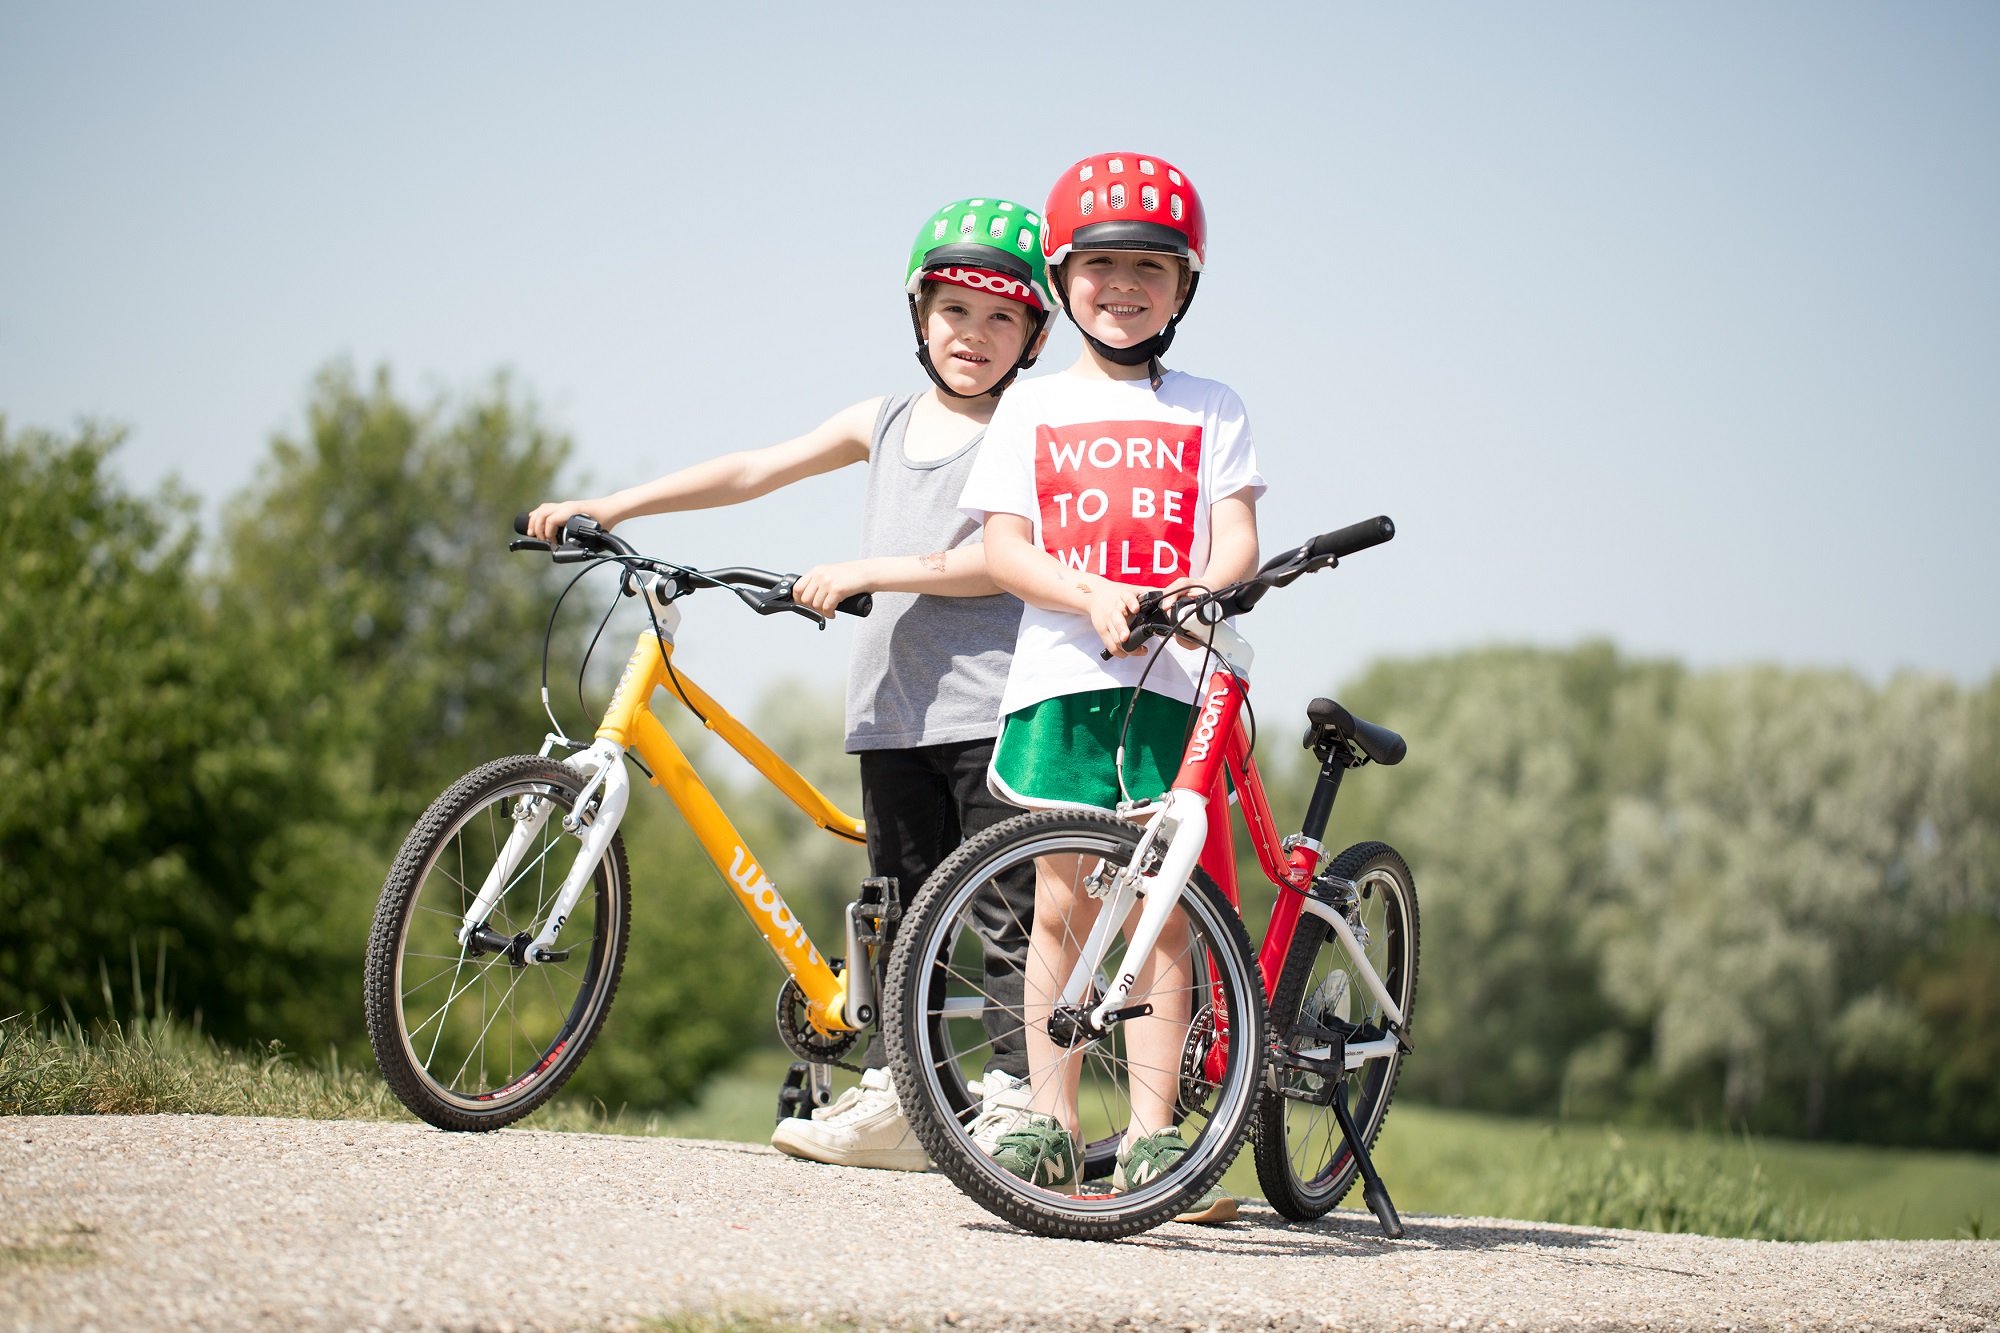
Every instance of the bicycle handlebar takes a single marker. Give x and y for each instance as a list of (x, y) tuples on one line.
[(1354, 537), (1322, 552), (764, 592)]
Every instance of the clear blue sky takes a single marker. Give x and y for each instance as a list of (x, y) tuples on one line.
[(1677, 323)]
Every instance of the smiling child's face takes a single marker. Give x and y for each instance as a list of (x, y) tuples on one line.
[(1123, 297), (974, 337)]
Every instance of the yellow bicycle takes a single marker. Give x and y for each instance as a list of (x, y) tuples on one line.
[(503, 922)]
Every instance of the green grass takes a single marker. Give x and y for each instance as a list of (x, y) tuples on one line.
[(1434, 1161), (155, 1067)]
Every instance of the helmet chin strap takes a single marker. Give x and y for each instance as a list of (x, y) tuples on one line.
[(1026, 360), (1147, 353)]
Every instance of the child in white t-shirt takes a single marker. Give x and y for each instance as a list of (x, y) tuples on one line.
[(1095, 486)]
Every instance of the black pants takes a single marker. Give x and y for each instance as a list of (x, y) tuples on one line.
[(920, 804)]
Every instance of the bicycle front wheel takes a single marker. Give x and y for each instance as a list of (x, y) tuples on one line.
[(1303, 1161), (1186, 1056), (471, 1036)]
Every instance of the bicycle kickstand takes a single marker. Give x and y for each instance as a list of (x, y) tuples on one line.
[(1372, 1189)]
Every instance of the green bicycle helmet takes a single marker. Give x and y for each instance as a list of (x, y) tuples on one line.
[(988, 245)]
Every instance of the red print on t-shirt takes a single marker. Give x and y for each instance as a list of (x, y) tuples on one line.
[(1118, 497)]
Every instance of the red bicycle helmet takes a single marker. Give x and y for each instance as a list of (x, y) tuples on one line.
[(1126, 201)]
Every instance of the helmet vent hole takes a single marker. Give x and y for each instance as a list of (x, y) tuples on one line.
[(1086, 203), (1083, 172), (1025, 241), (1149, 198), (968, 224), (1174, 206), (1115, 165), (1116, 194), (998, 228), (937, 232), (1145, 167)]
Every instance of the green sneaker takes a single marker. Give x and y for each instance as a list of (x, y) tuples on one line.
[(1040, 1152), (1152, 1157)]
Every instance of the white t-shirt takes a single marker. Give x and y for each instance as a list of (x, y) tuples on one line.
[(1118, 480)]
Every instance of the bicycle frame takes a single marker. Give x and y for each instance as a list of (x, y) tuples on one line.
[(629, 724), (1218, 752)]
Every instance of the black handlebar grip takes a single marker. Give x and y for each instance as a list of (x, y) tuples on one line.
[(521, 524), (858, 605), (1354, 537)]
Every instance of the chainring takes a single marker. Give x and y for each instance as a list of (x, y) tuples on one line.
[(1195, 1084), (802, 1038)]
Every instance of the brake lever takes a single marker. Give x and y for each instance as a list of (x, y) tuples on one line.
[(780, 599), (528, 544), (572, 555)]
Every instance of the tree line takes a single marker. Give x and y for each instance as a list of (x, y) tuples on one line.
[(1746, 896)]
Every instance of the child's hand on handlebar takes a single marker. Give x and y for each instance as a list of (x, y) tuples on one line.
[(1111, 607), (546, 522), (824, 587)]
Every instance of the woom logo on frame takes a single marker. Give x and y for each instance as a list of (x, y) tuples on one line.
[(1211, 715), (757, 889)]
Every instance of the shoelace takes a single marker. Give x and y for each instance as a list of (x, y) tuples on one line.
[(988, 1123)]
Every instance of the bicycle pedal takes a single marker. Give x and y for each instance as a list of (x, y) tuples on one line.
[(795, 1096)]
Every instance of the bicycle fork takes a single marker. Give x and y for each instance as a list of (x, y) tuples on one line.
[(609, 787), (1159, 870)]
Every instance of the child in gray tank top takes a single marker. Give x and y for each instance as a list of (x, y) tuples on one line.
[(923, 692)]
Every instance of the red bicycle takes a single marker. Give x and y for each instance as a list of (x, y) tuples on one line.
[(1145, 1009)]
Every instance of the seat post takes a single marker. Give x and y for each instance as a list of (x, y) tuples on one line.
[(1320, 809)]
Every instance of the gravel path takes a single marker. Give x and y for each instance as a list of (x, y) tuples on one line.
[(204, 1223)]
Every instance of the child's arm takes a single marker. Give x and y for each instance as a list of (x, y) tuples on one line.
[(1232, 543), (1038, 578), (960, 572), (731, 479)]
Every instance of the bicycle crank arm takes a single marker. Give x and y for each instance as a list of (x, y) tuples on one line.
[(1338, 920), (610, 813)]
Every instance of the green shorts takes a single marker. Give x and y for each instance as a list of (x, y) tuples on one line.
[(1062, 752)]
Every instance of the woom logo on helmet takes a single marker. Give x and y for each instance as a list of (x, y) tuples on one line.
[(986, 280)]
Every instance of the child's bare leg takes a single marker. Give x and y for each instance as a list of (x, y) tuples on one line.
[(1063, 917), (1154, 1043)]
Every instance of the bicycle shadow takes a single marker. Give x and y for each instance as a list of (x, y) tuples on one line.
[(1352, 1234)]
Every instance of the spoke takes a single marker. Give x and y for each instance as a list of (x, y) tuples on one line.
[(439, 911), (553, 997), (479, 1047), (451, 998), (435, 977), (442, 1009)]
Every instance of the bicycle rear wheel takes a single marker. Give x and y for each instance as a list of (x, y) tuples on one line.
[(1202, 1054), (1303, 1161), (472, 1038)]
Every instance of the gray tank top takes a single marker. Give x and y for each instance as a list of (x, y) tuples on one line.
[(926, 670)]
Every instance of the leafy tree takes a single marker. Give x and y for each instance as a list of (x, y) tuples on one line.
[(1500, 807), (1752, 895), (114, 802)]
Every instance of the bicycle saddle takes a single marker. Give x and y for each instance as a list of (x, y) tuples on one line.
[(1328, 718)]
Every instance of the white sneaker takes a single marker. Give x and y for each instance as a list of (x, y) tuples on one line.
[(864, 1128), (1003, 1104)]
